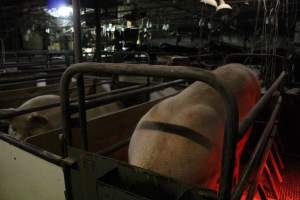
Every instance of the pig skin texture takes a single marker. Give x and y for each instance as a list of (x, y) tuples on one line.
[(200, 108)]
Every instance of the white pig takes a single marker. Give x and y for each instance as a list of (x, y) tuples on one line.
[(158, 142)]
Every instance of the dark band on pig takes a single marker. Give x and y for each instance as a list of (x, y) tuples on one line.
[(177, 130)]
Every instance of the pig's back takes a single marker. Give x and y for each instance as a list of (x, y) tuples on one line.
[(159, 142)]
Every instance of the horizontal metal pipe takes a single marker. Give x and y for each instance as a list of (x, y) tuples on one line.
[(52, 105), (20, 72), (256, 157), (32, 64), (258, 108), (34, 77), (39, 52), (35, 150), (94, 96), (120, 53), (8, 85), (25, 83), (109, 150), (108, 99)]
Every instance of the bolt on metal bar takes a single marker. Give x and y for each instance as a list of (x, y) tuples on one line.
[(176, 72), (254, 162)]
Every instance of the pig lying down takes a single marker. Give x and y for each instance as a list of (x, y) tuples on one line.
[(42, 121), (159, 142)]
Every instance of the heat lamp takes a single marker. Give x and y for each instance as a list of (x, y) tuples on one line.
[(210, 2), (223, 5)]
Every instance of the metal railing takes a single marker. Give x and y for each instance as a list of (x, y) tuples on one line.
[(17, 58), (231, 134), (176, 72)]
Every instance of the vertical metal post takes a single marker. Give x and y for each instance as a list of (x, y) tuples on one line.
[(67, 58), (98, 33), (77, 31), (2, 61), (47, 60), (82, 112)]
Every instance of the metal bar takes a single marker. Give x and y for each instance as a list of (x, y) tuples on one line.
[(35, 150), (278, 156), (4, 85), (138, 53), (34, 77), (271, 181), (254, 162), (9, 85), (97, 55), (77, 31), (114, 148), (177, 72), (275, 167), (262, 193), (82, 112), (108, 99), (2, 57), (52, 105), (31, 71), (252, 191), (258, 108), (101, 95), (31, 64)]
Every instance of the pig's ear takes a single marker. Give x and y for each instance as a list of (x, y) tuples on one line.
[(37, 119)]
